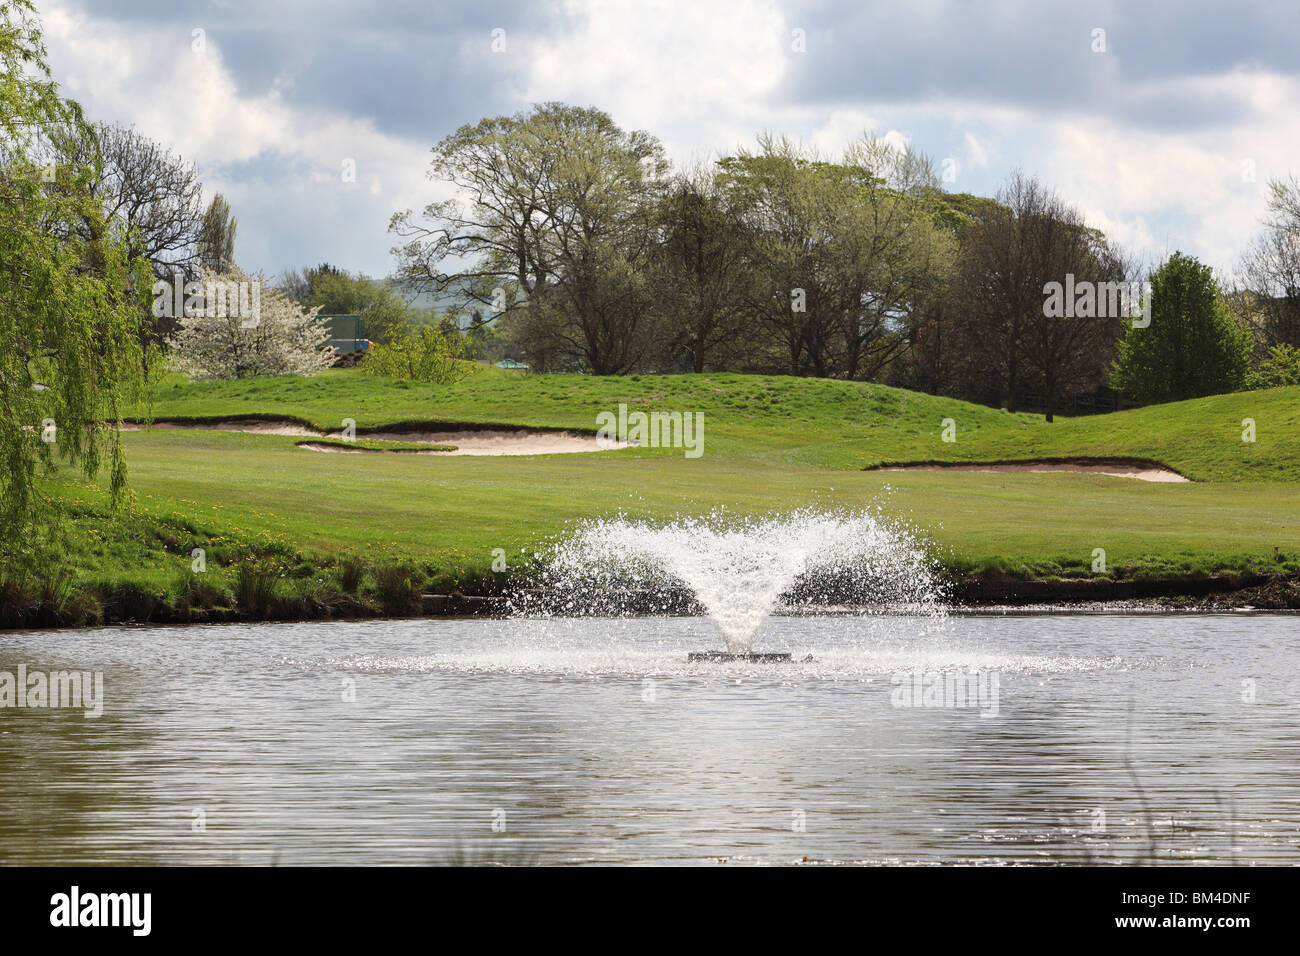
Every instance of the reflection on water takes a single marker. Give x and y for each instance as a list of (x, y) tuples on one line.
[(1115, 740)]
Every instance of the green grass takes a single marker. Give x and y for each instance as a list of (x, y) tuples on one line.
[(771, 444), (811, 423)]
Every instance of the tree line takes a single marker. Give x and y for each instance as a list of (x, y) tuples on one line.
[(580, 244)]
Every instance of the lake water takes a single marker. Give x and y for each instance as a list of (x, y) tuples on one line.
[(1082, 739)]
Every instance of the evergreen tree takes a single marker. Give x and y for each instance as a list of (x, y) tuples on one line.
[(1192, 346)]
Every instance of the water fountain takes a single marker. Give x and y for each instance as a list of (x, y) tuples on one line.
[(736, 570)]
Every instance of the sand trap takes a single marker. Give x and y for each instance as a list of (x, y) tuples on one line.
[(251, 426), (499, 442), (480, 441), (362, 450), (1142, 471)]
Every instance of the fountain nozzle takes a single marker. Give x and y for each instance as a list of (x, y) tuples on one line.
[(715, 657)]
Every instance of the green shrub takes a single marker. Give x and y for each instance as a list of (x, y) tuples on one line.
[(254, 590), (197, 592), (420, 354), (397, 589), (133, 602), (1281, 367), (351, 571)]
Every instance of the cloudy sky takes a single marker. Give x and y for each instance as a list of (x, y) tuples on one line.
[(1164, 129)]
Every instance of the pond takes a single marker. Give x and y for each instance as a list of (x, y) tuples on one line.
[(963, 739)]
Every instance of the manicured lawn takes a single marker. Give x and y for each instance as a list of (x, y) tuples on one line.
[(812, 423), (771, 444), (236, 494)]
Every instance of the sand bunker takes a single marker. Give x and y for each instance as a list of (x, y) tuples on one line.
[(469, 441), (1142, 471), (362, 450)]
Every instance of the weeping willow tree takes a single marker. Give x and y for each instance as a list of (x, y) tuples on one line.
[(70, 303)]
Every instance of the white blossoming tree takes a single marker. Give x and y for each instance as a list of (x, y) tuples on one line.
[(238, 326)]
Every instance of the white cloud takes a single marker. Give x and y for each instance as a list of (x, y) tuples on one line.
[(976, 153), (841, 128), (189, 101), (1165, 189), (698, 75), (705, 78)]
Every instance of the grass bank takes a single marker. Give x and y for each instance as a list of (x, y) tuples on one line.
[(263, 509)]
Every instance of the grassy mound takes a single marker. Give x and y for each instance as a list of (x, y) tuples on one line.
[(812, 423)]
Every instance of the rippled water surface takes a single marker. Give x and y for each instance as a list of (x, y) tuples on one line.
[(1094, 739)]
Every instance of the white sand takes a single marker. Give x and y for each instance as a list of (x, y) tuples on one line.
[(340, 450), (468, 442), (1140, 472), (492, 442)]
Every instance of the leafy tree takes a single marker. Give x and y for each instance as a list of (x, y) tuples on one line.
[(70, 352), (1281, 367), (1007, 257), (701, 258), (558, 221), (937, 359), (843, 251), (298, 285), (482, 340), (384, 312), (787, 198), (1192, 347), (279, 337), (419, 354), (216, 240), (1270, 270)]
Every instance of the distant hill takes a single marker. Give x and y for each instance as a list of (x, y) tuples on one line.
[(435, 303)]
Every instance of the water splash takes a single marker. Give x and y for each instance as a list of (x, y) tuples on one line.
[(736, 569)]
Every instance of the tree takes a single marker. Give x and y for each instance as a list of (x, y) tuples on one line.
[(277, 336), (216, 240), (149, 199), (701, 259), (298, 285), (1008, 256), (553, 215), (1070, 350), (1192, 347), (937, 359), (1270, 270), (844, 250), (895, 256), (70, 352), (1280, 367), (787, 196), (383, 311), (420, 354), (152, 196)]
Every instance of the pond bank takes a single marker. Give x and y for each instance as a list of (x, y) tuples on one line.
[(1213, 593)]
